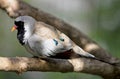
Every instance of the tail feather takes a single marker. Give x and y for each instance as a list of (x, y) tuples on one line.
[(81, 52)]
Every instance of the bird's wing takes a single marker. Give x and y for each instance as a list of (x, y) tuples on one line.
[(56, 41), (45, 31), (76, 49)]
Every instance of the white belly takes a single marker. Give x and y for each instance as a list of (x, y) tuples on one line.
[(44, 48)]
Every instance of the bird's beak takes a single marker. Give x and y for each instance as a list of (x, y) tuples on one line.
[(13, 28)]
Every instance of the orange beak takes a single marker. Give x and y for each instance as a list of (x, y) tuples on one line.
[(13, 28)]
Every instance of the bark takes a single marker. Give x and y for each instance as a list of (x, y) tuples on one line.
[(22, 64), (16, 8)]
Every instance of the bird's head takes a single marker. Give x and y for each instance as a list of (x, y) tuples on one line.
[(23, 22), (25, 26)]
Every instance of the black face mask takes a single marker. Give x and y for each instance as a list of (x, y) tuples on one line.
[(19, 23), (21, 31)]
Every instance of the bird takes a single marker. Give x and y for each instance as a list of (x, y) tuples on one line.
[(43, 40)]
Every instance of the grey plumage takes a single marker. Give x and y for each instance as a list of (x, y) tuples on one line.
[(41, 39)]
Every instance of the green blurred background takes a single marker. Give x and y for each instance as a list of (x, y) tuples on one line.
[(99, 19)]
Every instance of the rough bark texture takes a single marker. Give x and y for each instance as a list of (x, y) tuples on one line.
[(22, 64), (16, 8)]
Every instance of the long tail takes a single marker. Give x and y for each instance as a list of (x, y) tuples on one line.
[(81, 52)]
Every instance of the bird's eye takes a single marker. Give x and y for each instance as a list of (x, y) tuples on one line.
[(19, 23)]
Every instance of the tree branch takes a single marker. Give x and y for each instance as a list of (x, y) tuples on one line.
[(16, 8), (20, 64)]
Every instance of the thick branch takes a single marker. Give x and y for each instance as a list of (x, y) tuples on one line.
[(20, 64)]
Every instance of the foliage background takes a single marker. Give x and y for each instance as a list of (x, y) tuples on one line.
[(99, 19)]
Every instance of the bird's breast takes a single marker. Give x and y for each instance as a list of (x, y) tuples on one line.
[(49, 47)]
